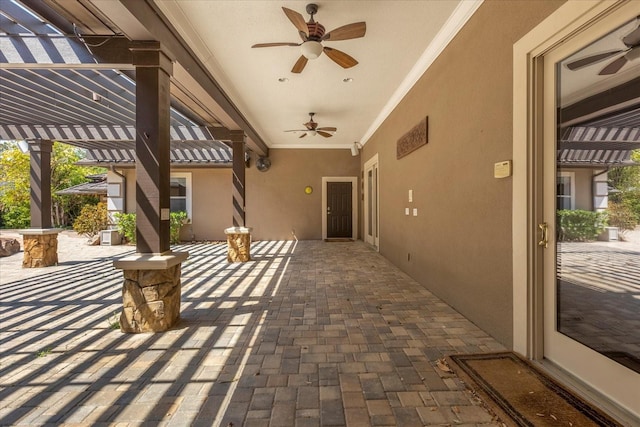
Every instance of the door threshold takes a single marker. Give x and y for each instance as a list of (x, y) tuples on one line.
[(588, 393), (338, 239)]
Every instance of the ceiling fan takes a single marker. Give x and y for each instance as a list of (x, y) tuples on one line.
[(632, 52), (313, 34), (313, 129)]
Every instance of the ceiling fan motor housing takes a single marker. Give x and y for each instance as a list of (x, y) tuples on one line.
[(316, 30)]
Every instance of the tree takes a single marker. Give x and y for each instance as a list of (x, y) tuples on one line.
[(626, 181), (15, 185)]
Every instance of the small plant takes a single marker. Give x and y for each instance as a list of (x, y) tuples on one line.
[(91, 220), (114, 321), (176, 220), (127, 225), (44, 352), (622, 216), (580, 225)]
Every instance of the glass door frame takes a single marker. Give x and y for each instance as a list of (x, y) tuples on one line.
[(567, 23), (372, 202)]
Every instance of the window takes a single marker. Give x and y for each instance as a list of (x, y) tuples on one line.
[(180, 193), (565, 195)]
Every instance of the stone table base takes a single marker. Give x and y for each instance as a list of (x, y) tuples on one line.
[(40, 247)]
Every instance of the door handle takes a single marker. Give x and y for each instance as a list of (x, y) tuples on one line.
[(544, 235)]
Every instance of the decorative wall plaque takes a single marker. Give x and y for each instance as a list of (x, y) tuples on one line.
[(414, 139)]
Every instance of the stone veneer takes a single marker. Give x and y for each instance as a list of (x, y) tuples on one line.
[(238, 244), (151, 291), (40, 248), (150, 300)]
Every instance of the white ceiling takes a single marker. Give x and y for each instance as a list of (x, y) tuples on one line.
[(402, 40)]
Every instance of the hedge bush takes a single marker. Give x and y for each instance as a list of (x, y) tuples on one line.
[(622, 216), (91, 220), (580, 225), (127, 226)]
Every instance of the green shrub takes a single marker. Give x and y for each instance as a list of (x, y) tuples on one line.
[(17, 217), (622, 216), (177, 220), (91, 220), (127, 225), (579, 225)]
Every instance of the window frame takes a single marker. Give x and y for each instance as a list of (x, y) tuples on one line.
[(188, 184)]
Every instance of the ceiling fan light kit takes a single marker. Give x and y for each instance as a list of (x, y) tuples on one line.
[(311, 49)]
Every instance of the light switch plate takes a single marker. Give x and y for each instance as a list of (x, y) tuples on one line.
[(415, 211), (406, 211), (410, 196)]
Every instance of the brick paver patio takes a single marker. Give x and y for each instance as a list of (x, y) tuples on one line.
[(308, 333)]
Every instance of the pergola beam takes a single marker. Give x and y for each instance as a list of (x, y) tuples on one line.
[(150, 17)]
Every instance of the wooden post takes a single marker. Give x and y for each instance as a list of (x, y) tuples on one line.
[(239, 164), (40, 164), (153, 70)]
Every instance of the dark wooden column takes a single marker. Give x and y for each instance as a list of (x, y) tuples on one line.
[(40, 153), (153, 70), (239, 164)]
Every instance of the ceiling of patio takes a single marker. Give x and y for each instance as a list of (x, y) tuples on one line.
[(401, 41)]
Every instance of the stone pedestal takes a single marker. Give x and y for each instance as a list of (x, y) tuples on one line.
[(238, 244), (151, 291), (40, 247)]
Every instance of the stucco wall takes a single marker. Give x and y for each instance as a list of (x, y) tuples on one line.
[(459, 245), (211, 202), (584, 186), (211, 205), (276, 204)]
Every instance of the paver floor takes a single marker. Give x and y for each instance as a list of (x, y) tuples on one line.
[(308, 333)]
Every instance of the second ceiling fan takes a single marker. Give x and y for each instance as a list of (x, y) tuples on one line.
[(313, 129), (313, 34)]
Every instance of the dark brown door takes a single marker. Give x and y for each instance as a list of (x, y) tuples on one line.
[(339, 215)]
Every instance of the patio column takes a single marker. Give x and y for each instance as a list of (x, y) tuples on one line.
[(239, 163), (152, 287), (40, 241), (153, 71), (238, 236)]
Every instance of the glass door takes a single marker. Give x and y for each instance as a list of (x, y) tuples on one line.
[(591, 198), (371, 202)]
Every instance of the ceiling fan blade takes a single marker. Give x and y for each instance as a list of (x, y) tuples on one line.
[(275, 44), (296, 130), (299, 65), (340, 58), (591, 59), (346, 32), (614, 66), (325, 134), (328, 129), (303, 135), (297, 20), (633, 38)]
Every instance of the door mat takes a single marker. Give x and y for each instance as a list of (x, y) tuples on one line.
[(521, 395)]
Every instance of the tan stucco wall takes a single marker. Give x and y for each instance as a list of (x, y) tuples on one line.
[(584, 188), (211, 202), (460, 243), (276, 204)]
